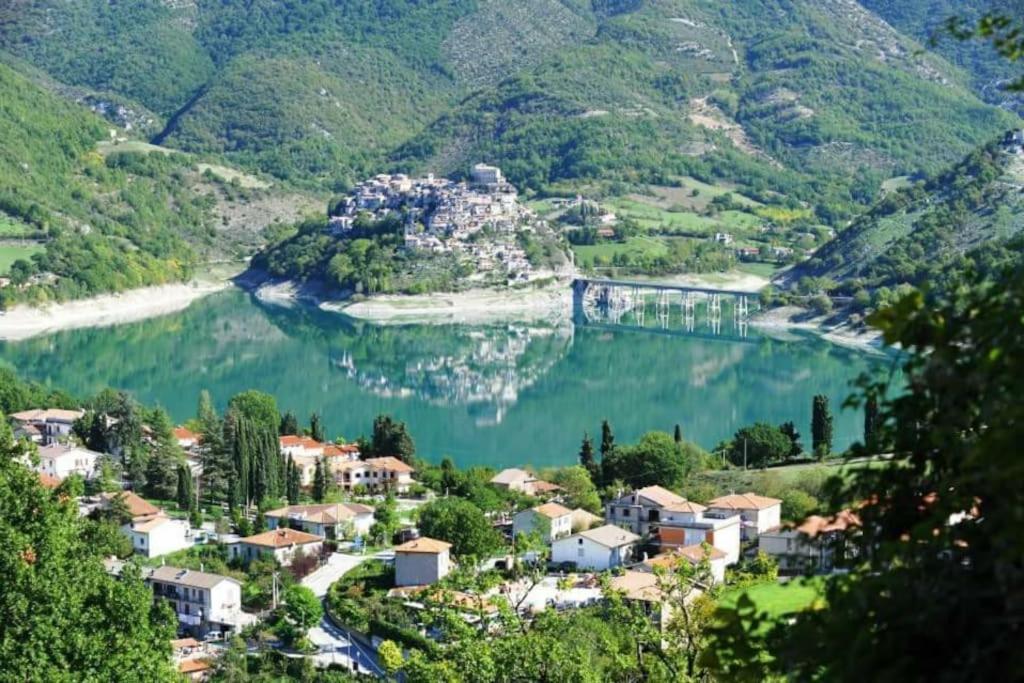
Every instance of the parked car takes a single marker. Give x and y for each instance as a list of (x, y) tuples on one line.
[(406, 535)]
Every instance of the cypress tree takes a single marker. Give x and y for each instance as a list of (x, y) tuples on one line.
[(289, 424), (185, 495), (293, 482), (871, 424), (316, 428), (607, 439), (678, 436), (587, 459), (821, 426), (319, 482)]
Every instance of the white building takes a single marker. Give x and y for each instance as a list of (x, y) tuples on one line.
[(375, 474), (597, 549), (642, 508), (60, 461), (422, 562), (757, 513), (329, 520), (46, 425), (203, 602), (282, 545), (688, 524), (484, 174), (160, 535), (694, 555), (815, 545), (550, 520)]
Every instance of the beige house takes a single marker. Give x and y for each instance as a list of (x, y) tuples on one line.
[(757, 513), (693, 554), (281, 544), (375, 474), (422, 562), (551, 520), (328, 520), (583, 520)]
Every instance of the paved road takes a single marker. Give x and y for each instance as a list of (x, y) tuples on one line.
[(338, 564), (337, 647)]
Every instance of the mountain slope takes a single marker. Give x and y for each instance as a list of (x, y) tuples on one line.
[(83, 214), (970, 216), (820, 101)]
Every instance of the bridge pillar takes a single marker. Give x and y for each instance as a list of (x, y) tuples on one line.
[(579, 291)]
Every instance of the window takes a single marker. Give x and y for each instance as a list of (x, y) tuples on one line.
[(625, 512), (580, 552), (579, 541)]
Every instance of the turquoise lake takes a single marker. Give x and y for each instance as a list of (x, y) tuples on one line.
[(497, 395)]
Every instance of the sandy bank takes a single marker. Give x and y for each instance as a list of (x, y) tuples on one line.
[(23, 322), (777, 321), (553, 303)]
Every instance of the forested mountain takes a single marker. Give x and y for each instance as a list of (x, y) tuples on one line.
[(969, 217), (82, 213), (822, 101)]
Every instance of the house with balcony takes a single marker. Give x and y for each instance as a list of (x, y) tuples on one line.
[(374, 474), (203, 603), (639, 510), (45, 425)]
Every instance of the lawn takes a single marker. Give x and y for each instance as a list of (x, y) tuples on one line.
[(9, 253), (777, 599), (765, 270)]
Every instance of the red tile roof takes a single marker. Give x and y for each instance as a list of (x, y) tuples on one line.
[(282, 538), (744, 501), (426, 546), (47, 481)]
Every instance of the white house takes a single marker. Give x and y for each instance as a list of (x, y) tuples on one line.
[(551, 520), (422, 562), (814, 545), (160, 535), (281, 544), (60, 461), (642, 508), (46, 425), (329, 520), (757, 513), (598, 549), (693, 554), (375, 474), (717, 530), (203, 602)]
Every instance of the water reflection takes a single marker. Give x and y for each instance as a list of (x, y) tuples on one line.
[(495, 395)]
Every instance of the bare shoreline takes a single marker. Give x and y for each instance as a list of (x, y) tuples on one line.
[(23, 322)]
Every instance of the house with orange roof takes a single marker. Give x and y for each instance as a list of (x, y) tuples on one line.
[(694, 555), (329, 520), (282, 545), (814, 545), (292, 444), (186, 438), (757, 513), (422, 562), (137, 506), (550, 520)]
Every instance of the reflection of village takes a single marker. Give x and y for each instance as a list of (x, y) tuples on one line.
[(479, 221), (487, 373)]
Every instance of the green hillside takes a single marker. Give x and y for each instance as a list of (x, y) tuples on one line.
[(969, 217), (822, 102), (82, 214)]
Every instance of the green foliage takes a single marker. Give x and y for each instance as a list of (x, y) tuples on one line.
[(258, 407), (462, 524), (821, 426), (391, 438), (110, 629), (760, 445), (655, 459)]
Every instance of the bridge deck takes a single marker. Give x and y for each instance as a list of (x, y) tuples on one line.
[(663, 287)]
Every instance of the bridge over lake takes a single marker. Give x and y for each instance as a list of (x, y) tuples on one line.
[(683, 310)]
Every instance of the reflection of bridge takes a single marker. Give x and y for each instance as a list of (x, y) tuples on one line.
[(664, 308)]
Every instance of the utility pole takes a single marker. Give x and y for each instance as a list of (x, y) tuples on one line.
[(744, 454), (273, 591)]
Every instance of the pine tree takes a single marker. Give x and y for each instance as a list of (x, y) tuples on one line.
[(319, 482), (214, 456), (821, 426), (163, 459), (316, 429)]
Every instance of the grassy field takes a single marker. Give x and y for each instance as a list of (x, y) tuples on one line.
[(765, 270), (777, 599), (230, 175), (9, 253), (651, 246)]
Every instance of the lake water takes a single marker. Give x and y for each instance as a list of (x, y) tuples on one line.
[(495, 395)]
